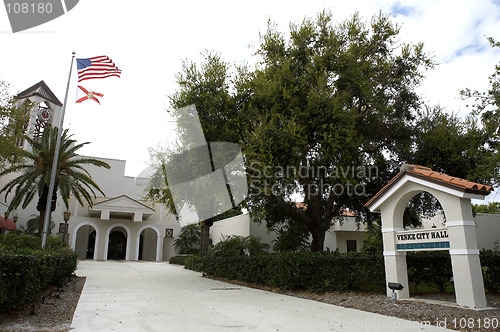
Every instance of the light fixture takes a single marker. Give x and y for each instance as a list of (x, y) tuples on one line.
[(66, 216)]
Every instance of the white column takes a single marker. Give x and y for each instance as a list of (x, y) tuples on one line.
[(467, 273), (158, 248), (395, 263)]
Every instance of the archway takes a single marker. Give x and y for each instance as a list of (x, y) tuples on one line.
[(85, 240), (125, 230), (117, 244), (148, 243), (458, 236)]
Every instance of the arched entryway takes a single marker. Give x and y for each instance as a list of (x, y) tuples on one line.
[(458, 236), (85, 240), (148, 240), (117, 244)]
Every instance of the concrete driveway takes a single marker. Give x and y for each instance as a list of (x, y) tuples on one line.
[(157, 296)]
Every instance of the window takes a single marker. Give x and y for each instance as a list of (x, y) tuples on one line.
[(351, 245), (169, 233)]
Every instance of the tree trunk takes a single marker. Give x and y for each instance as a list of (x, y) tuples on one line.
[(318, 238), (42, 205), (40, 223), (205, 236)]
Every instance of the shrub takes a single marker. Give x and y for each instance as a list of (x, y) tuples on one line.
[(236, 245), (30, 241), (318, 272), (25, 269), (180, 259), (490, 261), (431, 268)]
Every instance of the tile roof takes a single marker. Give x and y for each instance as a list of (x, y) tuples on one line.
[(7, 224), (342, 212), (429, 174), (40, 89)]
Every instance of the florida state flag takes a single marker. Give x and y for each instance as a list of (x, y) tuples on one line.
[(87, 95)]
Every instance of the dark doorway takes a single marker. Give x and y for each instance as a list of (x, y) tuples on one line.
[(117, 245), (141, 244), (91, 246)]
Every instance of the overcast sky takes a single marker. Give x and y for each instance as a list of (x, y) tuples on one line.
[(148, 40)]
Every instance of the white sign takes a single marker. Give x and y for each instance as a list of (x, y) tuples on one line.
[(422, 239)]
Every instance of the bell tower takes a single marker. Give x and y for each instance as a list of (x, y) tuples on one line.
[(43, 107)]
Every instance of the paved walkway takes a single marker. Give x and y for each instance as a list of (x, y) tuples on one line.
[(150, 296)]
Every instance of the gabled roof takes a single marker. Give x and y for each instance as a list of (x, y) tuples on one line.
[(40, 89), (422, 172), (121, 207)]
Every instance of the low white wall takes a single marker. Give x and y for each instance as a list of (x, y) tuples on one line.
[(238, 225), (488, 231)]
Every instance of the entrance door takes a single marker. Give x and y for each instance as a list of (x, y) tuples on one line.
[(117, 245), (91, 246)]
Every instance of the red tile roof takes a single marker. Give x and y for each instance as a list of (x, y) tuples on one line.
[(343, 212), (7, 224), (426, 172)]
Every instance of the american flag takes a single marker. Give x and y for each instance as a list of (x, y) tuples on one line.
[(96, 67)]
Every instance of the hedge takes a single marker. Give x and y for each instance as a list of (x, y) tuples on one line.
[(429, 268), (490, 262), (326, 272), (179, 259), (24, 272), (317, 272)]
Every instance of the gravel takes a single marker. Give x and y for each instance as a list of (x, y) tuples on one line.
[(54, 314)]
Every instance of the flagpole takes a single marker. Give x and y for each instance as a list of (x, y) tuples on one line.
[(46, 220)]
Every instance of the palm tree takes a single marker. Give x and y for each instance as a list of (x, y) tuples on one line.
[(34, 178), (189, 239), (33, 224)]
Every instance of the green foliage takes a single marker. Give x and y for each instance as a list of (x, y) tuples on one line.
[(373, 243), (492, 207), (35, 172), (71, 177), (189, 238), (290, 236), (456, 146), (318, 272), (490, 262), (329, 96), (236, 245), (179, 259), (26, 271), (487, 104), (12, 120), (431, 268), (30, 241), (33, 225)]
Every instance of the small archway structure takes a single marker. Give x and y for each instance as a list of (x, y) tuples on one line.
[(459, 235)]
